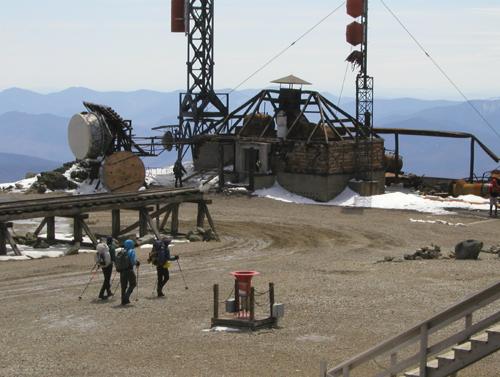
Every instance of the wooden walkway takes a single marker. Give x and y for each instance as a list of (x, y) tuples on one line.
[(151, 206)]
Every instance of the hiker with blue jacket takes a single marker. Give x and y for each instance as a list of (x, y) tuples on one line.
[(125, 261), (160, 257)]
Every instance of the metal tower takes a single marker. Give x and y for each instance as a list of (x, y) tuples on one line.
[(364, 82), (200, 106)]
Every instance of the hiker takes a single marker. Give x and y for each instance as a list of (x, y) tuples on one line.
[(112, 248), (179, 171), (125, 261), (160, 257), (103, 260), (494, 190)]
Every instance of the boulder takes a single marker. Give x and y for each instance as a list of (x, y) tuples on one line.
[(469, 249), (55, 181), (41, 244)]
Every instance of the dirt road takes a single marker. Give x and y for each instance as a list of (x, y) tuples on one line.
[(338, 300)]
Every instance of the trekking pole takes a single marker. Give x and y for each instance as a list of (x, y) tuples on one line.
[(92, 271), (116, 288), (182, 274), (137, 294)]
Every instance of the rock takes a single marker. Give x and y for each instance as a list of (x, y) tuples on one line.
[(147, 239), (73, 249), (418, 258), (54, 180), (41, 244), (200, 231), (18, 186), (194, 237), (209, 235), (388, 259), (469, 249), (79, 175)]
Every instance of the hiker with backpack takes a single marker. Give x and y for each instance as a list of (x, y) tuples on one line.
[(103, 260), (125, 261), (160, 257), (112, 248)]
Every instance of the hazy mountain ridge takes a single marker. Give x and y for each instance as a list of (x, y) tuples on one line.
[(14, 167), (35, 124)]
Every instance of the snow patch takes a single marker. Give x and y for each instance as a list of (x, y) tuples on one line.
[(402, 200)]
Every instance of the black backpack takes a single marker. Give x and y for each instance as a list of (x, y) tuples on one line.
[(155, 252), (122, 261)]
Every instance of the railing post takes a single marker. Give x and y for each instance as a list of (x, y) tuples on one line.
[(252, 304), (394, 361), (322, 368), (424, 342), (468, 321), (216, 301), (345, 371)]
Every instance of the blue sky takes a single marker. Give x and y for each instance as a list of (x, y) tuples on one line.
[(126, 45)]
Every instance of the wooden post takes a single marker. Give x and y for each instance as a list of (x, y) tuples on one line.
[(396, 142), (346, 370), (251, 170), (40, 227), (221, 167), (152, 225), (424, 340), (210, 221), (143, 222), (216, 301), (115, 223), (236, 296), (252, 304), (165, 218), (271, 299), (77, 229), (175, 219), (472, 150), (322, 368), (468, 321), (87, 230), (394, 361), (158, 217), (3, 239), (51, 229), (11, 240), (200, 220)]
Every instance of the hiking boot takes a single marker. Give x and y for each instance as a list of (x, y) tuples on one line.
[(161, 294)]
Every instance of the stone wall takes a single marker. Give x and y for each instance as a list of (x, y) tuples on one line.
[(336, 157)]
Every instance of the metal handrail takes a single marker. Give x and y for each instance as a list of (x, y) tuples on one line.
[(421, 332)]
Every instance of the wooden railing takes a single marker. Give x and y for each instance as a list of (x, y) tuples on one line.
[(420, 334)]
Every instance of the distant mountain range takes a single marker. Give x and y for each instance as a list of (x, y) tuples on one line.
[(14, 167), (34, 124)]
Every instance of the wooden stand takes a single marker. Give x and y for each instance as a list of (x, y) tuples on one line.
[(248, 321)]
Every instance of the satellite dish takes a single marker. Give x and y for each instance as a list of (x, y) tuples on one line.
[(88, 136)]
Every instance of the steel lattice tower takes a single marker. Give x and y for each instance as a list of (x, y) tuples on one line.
[(364, 82), (200, 106)]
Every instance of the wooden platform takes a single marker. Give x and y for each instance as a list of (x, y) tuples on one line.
[(151, 205)]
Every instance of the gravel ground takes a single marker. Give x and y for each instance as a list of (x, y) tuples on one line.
[(338, 300)]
